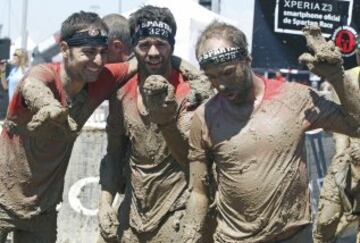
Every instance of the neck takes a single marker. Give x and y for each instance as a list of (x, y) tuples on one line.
[(72, 85), (255, 92), (143, 74)]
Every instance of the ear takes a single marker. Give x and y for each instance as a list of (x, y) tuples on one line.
[(249, 59), (64, 49), (118, 45)]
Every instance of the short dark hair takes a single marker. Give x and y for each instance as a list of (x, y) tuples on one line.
[(80, 21), (118, 29), (221, 30), (151, 13)]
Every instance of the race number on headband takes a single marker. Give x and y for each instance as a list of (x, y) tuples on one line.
[(222, 55), (154, 29)]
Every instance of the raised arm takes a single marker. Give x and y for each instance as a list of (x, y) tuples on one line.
[(326, 62), (48, 111), (160, 101)]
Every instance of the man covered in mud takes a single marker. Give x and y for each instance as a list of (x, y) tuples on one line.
[(253, 129), (339, 202), (148, 118)]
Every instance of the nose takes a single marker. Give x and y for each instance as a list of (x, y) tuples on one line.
[(222, 84), (153, 51), (222, 87), (99, 59)]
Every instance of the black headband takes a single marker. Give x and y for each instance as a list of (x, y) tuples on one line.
[(92, 37), (154, 29), (222, 55)]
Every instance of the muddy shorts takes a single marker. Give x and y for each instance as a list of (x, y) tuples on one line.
[(39, 229)]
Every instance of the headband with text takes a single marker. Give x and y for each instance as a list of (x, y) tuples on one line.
[(223, 55), (154, 29)]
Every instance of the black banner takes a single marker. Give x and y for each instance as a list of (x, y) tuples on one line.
[(277, 40), (5, 48)]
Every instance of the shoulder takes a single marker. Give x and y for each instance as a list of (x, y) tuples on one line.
[(180, 83), (44, 72), (118, 70), (295, 89), (129, 89)]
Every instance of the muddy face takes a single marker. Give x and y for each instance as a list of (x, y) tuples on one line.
[(86, 62), (233, 79), (153, 55)]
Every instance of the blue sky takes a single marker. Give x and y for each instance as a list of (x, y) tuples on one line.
[(45, 17)]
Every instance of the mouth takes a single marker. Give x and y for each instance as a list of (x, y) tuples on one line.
[(154, 65), (94, 69), (92, 73)]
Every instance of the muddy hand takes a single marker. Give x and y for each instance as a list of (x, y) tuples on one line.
[(326, 60), (52, 114), (199, 83), (108, 221), (198, 96), (160, 99)]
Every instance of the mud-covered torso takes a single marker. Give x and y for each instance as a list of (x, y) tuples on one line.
[(157, 181), (262, 175)]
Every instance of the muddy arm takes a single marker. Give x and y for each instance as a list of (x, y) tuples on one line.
[(39, 99), (326, 61), (37, 95), (176, 142), (160, 101), (197, 205), (199, 183), (348, 93), (111, 177), (113, 162)]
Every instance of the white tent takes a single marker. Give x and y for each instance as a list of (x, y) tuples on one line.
[(191, 18)]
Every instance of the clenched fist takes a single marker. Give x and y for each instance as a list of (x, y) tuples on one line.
[(159, 100)]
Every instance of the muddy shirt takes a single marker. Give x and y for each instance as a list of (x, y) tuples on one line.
[(157, 182), (262, 173), (32, 167)]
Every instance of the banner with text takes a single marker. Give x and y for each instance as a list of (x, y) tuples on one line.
[(278, 23)]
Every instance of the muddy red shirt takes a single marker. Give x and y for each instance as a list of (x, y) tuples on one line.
[(157, 182), (261, 169), (32, 168)]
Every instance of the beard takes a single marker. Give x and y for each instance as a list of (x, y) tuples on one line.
[(163, 69), (245, 90)]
